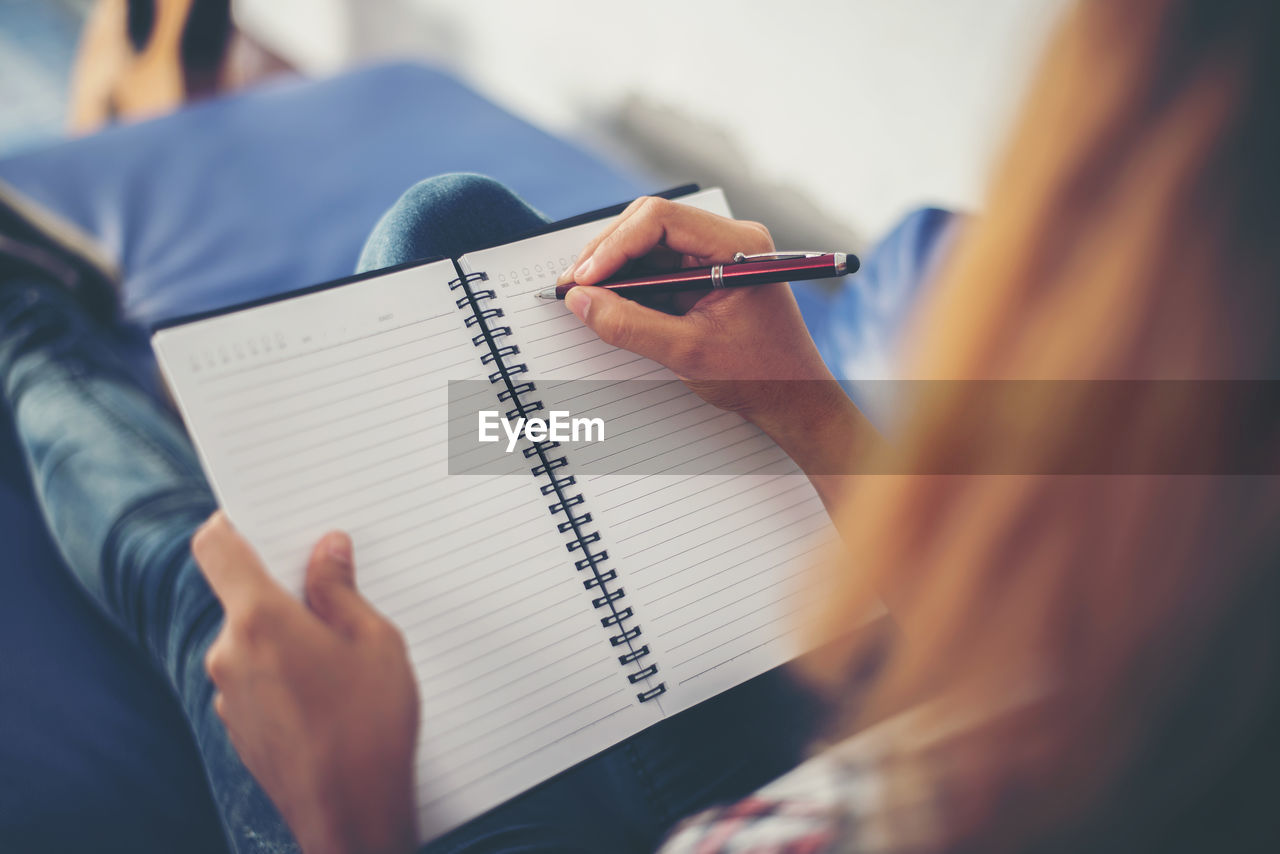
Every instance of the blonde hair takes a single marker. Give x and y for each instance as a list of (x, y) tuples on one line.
[(1130, 234)]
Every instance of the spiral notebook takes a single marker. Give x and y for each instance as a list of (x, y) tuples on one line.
[(550, 615)]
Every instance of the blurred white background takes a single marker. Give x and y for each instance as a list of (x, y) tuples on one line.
[(826, 118)]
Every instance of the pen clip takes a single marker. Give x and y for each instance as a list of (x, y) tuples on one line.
[(739, 257)]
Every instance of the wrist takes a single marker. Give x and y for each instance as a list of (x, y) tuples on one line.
[(823, 432), (798, 413), (817, 424)]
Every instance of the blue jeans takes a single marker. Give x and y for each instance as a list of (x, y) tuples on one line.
[(122, 491)]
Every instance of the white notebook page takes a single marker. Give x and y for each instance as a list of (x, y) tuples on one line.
[(715, 566), (329, 411)]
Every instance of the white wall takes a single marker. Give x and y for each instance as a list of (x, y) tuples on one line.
[(850, 111)]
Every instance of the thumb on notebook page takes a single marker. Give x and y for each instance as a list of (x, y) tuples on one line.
[(331, 586)]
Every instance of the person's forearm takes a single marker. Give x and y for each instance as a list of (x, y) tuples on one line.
[(823, 432)]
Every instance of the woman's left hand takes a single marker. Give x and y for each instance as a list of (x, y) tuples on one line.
[(319, 699)]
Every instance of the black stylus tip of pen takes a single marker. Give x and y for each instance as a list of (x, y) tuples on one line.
[(851, 263)]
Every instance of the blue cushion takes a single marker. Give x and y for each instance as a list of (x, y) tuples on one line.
[(229, 200), (858, 324), (277, 188)]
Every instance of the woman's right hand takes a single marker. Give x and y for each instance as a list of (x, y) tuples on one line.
[(742, 349)]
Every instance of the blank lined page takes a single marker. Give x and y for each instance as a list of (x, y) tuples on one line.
[(327, 411), (714, 564), (718, 565)]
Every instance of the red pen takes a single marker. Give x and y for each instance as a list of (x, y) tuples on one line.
[(744, 270)]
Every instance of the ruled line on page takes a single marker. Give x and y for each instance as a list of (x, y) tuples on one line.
[(231, 406), (269, 498), (461, 640), (234, 412), (541, 747), (506, 667), (351, 489), (352, 510), (423, 617), (347, 398), (719, 627), (573, 654), (684, 406), (739, 580), (509, 669), (713, 459), (723, 570), (555, 721), (679, 528), (699, 618), (388, 573), (385, 577), (459, 744), (739, 654), (708, 522), (312, 351), (435, 676), (569, 681), (310, 426), (630, 480), (689, 506), (599, 388), (418, 545), (621, 359), (644, 495), (328, 441), (346, 453), (405, 580)]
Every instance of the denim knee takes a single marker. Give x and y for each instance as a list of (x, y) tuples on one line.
[(451, 194), (447, 216)]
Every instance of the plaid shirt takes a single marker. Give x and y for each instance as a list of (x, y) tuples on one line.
[(871, 793), (882, 791)]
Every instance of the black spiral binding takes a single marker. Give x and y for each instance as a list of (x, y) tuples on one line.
[(557, 485)]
